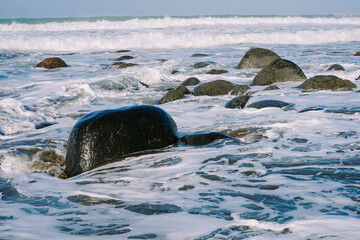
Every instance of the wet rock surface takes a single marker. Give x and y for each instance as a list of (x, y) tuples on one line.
[(269, 103), (257, 58), (214, 88), (327, 82), (238, 102), (50, 63)]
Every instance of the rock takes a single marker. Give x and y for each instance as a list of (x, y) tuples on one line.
[(357, 54), (122, 51), (174, 71), (199, 55), (268, 103), (191, 81), (126, 57), (216, 72), (271, 87), (326, 82), (240, 90), (203, 64), (54, 62), (126, 65), (336, 67), (103, 136), (200, 139), (238, 102), (174, 94), (214, 88), (358, 78), (257, 58), (280, 70)]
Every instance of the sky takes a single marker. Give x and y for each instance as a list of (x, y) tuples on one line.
[(93, 8)]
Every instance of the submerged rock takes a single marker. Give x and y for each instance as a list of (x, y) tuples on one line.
[(191, 81), (203, 64), (125, 65), (200, 139), (152, 209), (326, 82), (126, 57), (240, 90), (280, 70), (336, 67), (257, 58), (54, 62), (174, 94), (122, 51), (103, 136), (268, 103), (238, 102), (199, 55), (216, 72), (214, 88)]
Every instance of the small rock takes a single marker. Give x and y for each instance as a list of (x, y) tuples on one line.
[(280, 70), (268, 103), (326, 82), (122, 51), (357, 54), (200, 139), (153, 209), (126, 65), (203, 64), (54, 62), (126, 57), (191, 81), (257, 58), (216, 72), (271, 87), (214, 88), (174, 71), (199, 55), (238, 102), (240, 90), (174, 94), (358, 78), (336, 67)]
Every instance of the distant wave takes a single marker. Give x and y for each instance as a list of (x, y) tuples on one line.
[(167, 22)]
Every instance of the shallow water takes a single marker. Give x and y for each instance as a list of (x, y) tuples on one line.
[(292, 173)]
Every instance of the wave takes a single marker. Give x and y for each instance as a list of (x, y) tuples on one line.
[(158, 39), (168, 22)]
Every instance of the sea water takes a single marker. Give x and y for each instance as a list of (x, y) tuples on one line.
[(292, 173)]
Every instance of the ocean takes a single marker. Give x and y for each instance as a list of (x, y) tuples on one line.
[(293, 173)]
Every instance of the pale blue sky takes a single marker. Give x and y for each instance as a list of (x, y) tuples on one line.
[(87, 8)]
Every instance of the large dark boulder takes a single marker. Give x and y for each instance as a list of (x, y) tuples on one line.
[(214, 88), (54, 62), (191, 81), (336, 67), (257, 58), (103, 136), (269, 103), (280, 70), (174, 94), (326, 82), (238, 102)]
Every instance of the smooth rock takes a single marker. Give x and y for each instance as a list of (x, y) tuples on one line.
[(280, 70), (357, 54), (126, 65), (200, 139), (238, 102), (214, 88), (203, 64), (326, 82), (191, 81), (240, 90), (257, 58), (122, 51), (174, 94), (126, 57), (271, 87), (50, 63), (336, 67), (199, 55), (103, 136), (268, 103), (216, 72)]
